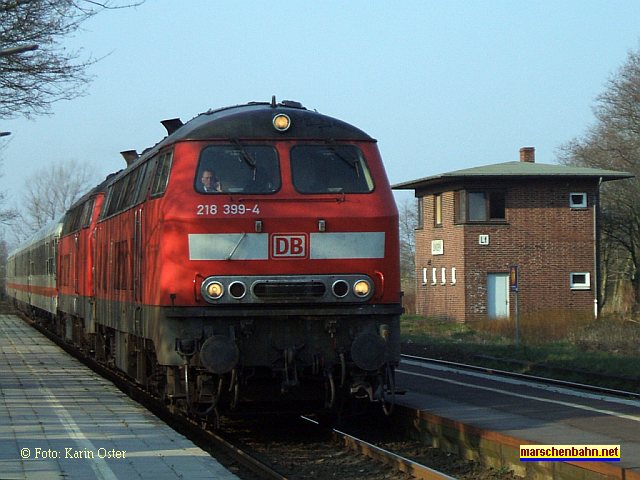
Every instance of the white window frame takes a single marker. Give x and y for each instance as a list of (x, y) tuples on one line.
[(443, 276), (576, 284), (453, 275), (581, 204)]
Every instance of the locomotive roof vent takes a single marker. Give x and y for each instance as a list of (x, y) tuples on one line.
[(286, 103), (172, 124), (291, 104), (130, 156)]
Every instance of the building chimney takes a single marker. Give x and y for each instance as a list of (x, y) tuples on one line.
[(528, 154)]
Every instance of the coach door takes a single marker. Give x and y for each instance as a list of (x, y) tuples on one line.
[(498, 295)]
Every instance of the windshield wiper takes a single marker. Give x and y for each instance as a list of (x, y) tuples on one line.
[(245, 156), (353, 163)]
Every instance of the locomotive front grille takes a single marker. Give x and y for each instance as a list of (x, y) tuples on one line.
[(289, 290)]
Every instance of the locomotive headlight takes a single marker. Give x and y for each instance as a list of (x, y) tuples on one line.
[(362, 288), (281, 122), (214, 290), (237, 290)]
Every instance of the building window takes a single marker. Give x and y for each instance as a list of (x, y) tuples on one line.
[(420, 213), (578, 200), (443, 276), (580, 281), (434, 276), (453, 275), (480, 206), (425, 280), (437, 210)]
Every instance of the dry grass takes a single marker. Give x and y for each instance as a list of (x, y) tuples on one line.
[(537, 328), (609, 345), (606, 334), (611, 334)]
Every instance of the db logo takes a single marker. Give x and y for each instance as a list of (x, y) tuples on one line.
[(289, 246)]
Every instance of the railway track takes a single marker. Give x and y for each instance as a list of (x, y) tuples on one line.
[(523, 376), (387, 457)]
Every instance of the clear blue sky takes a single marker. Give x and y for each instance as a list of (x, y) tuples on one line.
[(442, 85)]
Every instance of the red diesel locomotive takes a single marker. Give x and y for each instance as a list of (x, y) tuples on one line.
[(251, 255)]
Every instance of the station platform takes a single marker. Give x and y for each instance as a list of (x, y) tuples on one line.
[(489, 418), (58, 419)]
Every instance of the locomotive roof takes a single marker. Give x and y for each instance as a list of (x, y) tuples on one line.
[(254, 121)]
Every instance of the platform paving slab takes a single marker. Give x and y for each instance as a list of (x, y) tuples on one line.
[(58, 419)]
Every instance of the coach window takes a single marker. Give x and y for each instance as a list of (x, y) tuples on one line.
[(72, 220), (161, 177), (113, 198), (87, 211), (129, 196), (330, 169), (252, 169), (145, 181)]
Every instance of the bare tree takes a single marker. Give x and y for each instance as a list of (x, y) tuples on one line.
[(50, 193), (6, 214), (408, 219), (614, 143), (35, 68)]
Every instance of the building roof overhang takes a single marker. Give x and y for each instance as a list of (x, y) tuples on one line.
[(513, 171)]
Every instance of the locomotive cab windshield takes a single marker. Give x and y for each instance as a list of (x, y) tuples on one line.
[(232, 168), (255, 169), (330, 169)]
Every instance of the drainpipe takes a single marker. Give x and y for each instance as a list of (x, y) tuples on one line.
[(596, 253)]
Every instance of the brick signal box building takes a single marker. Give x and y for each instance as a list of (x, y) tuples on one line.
[(484, 232)]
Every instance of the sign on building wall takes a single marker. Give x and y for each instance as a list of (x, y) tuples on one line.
[(437, 247)]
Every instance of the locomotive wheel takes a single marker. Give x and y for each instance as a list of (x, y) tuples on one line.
[(329, 391)]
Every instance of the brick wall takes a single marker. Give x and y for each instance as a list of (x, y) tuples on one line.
[(442, 299), (542, 235)]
